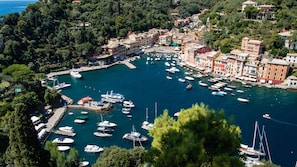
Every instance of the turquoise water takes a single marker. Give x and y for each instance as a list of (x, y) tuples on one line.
[(148, 84), (7, 7)]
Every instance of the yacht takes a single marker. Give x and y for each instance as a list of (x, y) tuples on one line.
[(105, 123), (145, 124), (61, 85), (181, 80), (79, 121), (128, 104), (189, 86), (102, 134), (63, 148), (92, 148), (75, 73), (63, 140), (117, 97), (168, 77), (105, 129), (135, 136), (84, 163), (126, 110), (203, 84), (189, 78), (243, 100), (66, 129)]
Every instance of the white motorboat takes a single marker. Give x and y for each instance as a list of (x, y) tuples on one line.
[(102, 134), (169, 77), (203, 84), (189, 86), (135, 136), (217, 93), (167, 64), (75, 73), (63, 140), (84, 112), (106, 123), (128, 104), (63, 148), (267, 116), (61, 85), (181, 80), (239, 91), (228, 89), (115, 96), (92, 148), (126, 110), (79, 121), (145, 124), (39, 126), (105, 129), (176, 114), (84, 163), (66, 129), (189, 78), (243, 100)]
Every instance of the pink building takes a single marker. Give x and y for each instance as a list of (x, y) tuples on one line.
[(220, 65), (252, 47)]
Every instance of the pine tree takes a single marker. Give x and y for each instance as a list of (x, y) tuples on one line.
[(24, 148)]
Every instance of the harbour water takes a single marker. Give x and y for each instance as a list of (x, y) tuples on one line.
[(147, 84)]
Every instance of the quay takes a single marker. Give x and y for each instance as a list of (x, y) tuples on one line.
[(92, 106), (128, 64)]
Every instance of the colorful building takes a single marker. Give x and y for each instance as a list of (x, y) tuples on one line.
[(273, 71), (253, 47)]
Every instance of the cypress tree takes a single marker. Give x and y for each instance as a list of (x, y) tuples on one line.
[(24, 148)]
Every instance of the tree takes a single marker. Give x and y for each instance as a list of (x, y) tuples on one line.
[(24, 148), (30, 99), (116, 156), (200, 136)]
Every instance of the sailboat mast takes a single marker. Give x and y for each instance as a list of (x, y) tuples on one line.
[(255, 133), (156, 110), (146, 114)]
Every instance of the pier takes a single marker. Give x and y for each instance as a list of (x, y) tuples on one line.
[(92, 106), (128, 64)]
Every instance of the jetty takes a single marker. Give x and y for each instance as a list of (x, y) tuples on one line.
[(128, 64), (92, 106)]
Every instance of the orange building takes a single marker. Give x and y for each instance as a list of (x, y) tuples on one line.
[(273, 71)]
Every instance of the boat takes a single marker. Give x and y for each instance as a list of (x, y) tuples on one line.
[(198, 75), (189, 86), (102, 134), (167, 64), (84, 112), (115, 96), (66, 129), (169, 77), (70, 113), (128, 104), (189, 78), (105, 123), (228, 89), (92, 148), (145, 124), (61, 85), (105, 129), (75, 73), (243, 100), (109, 100), (176, 114), (267, 116), (203, 84), (79, 121), (63, 140), (231, 86), (83, 117), (126, 110), (129, 116), (216, 93), (222, 92), (181, 80), (84, 100), (239, 91), (84, 163), (63, 148), (135, 136), (39, 126), (251, 151)]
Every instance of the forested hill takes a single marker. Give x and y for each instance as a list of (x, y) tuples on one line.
[(51, 34)]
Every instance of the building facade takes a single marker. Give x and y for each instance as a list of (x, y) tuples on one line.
[(273, 71), (252, 47), (292, 59)]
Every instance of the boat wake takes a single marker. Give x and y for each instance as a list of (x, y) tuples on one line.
[(279, 121)]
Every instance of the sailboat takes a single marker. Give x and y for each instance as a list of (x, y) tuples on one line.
[(145, 124), (105, 123), (254, 155)]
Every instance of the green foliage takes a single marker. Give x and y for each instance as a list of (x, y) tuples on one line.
[(30, 99), (24, 149), (200, 136), (116, 156)]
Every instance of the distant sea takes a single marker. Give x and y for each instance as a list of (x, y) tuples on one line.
[(11, 6)]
